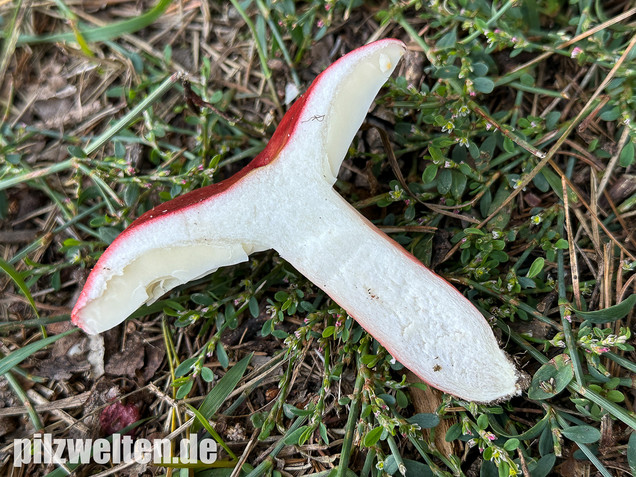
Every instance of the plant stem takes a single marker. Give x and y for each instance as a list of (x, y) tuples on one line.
[(490, 21), (368, 463), (345, 453), (570, 340), (396, 454), (268, 463)]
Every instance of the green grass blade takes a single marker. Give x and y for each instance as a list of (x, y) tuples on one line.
[(108, 32), (17, 279), (222, 390), (123, 122), (10, 40), (279, 40), (4, 325), (17, 389), (610, 314), (71, 19), (215, 435), (260, 49), (23, 353), (30, 175)]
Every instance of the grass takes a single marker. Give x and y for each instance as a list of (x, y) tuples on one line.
[(507, 165)]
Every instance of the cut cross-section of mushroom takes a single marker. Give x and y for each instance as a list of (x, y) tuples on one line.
[(284, 200)]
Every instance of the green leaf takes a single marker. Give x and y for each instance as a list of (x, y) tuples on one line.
[(444, 181), (425, 420), (222, 390), (608, 315), (474, 151), (626, 157), (458, 184), (509, 145), (76, 151), (483, 85), (447, 72), (480, 69), (527, 79), (390, 465), (280, 334), (373, 436), (387, 398), (422, 386), (531, 433), (544, 466), (328, 331), (582, 434), (291, 411), (448, 41), (443, 141), (511, 445), (19, 355), (281, 296), (369, 360), (323, 433), (131, 194), (294, 437), (207, 375), (17, 279), (615, 395), (536, 267), (184, 367), (436, 153), (541, 182), (551, 378), (453, 432), (552, 119), (266, 329), (108, 234), (429, 173), (611, 115), (482, 421), (253, 306), (202, 299), (488, 468), (546, 442), (222, 355), (402, 400), (184, 389), (417, 469)]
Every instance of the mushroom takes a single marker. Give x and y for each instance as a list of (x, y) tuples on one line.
[(284, 199)]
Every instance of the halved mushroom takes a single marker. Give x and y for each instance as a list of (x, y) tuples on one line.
[(284, 200)]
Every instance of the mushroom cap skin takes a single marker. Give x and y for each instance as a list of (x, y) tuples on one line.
[(284, 199)]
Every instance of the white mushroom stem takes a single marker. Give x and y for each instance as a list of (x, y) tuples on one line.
[(423, 321)]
